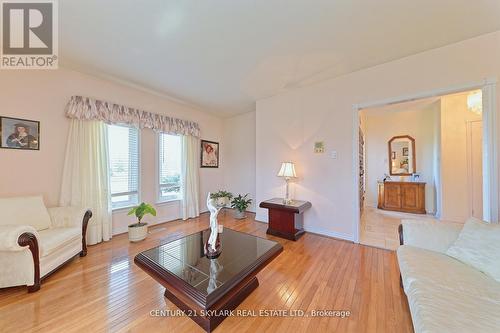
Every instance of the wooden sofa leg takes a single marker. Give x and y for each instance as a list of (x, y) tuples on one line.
[(86, 218), (35, 287), (401, 242), (28, 239), (400, 233)]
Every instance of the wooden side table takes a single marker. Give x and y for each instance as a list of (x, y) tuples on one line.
[(285, 221)]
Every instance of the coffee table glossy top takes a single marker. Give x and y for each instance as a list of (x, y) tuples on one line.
[(183, 260)]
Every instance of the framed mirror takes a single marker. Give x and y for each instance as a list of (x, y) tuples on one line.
[(402, 156)]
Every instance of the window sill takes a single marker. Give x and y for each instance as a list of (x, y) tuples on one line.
[(167, 201), (120, 209)]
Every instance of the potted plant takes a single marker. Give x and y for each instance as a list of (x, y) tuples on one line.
[(138, 231), (223, 197), (240, 204)]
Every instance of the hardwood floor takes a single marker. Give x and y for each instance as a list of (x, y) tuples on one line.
[(106, 292)]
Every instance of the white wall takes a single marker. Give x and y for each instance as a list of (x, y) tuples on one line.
[(42, 95), (454, 163), (288, 124), (381, 127), (239, 150)]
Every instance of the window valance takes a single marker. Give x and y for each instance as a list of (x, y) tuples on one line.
[(86, 108)]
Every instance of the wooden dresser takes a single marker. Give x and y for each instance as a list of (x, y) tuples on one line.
[(406, 197)]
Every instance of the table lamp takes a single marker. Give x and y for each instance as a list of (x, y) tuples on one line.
[(287, 171)]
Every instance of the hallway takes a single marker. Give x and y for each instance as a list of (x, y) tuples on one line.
[(379, 228)]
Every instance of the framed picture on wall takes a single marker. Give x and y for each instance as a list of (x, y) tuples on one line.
[(17, 133), (209, 154), (405, 151)]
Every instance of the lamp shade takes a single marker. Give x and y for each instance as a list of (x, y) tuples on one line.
[(287, 170)]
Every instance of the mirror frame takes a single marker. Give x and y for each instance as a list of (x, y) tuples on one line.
[(414, 162)]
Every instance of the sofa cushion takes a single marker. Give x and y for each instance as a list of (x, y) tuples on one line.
[(24, 211), (435, 309), (446, 273), (55, 238), (478, 245)]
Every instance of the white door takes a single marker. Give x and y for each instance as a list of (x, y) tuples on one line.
[(475, 155)]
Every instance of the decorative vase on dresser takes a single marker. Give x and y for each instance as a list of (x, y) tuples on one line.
[(408, 197)]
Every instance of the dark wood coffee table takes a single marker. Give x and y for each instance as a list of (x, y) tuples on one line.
[(207, 289)]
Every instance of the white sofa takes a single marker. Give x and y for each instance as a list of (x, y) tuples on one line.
[(444, 294), (35, 241)]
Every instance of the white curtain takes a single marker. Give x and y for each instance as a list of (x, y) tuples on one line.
[(190, 177), (85, 180)]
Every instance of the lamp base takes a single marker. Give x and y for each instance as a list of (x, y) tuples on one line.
[(287, 199)]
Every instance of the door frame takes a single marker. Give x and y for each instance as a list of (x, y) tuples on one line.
[(470, 184), (490, 143)]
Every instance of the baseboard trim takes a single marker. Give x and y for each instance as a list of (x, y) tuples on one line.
[(165, 221), (261, 218), (313, 230), (329, 233)]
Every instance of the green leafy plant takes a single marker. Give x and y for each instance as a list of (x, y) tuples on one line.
[(221, 194), (241, 203), (140, 211)]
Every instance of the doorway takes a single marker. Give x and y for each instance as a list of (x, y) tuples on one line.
[(480, 161)]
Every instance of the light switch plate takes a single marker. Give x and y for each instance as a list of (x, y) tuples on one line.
[(334, 154)]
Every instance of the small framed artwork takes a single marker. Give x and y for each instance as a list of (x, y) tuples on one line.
[(405, 151), (393, 155), (22, 134), (319, 147), (209, 154)]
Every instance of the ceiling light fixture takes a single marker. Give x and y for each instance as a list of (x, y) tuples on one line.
[(475, 102)]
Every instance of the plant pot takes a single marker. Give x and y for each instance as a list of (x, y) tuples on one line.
[(222, 201), (137, 232), (238, 214)]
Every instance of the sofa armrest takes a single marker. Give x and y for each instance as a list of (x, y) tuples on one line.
[(429, 235), (10, 236), (18, 238), (67, 216)]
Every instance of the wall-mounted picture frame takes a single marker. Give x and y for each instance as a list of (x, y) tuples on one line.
[(319, 147), (209, 157), (20, 134), (405, 151)]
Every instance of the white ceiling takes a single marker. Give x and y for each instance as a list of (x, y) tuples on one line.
[(222, 55)]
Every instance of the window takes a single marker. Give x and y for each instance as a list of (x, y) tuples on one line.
[(123, 145), (169, 167)]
